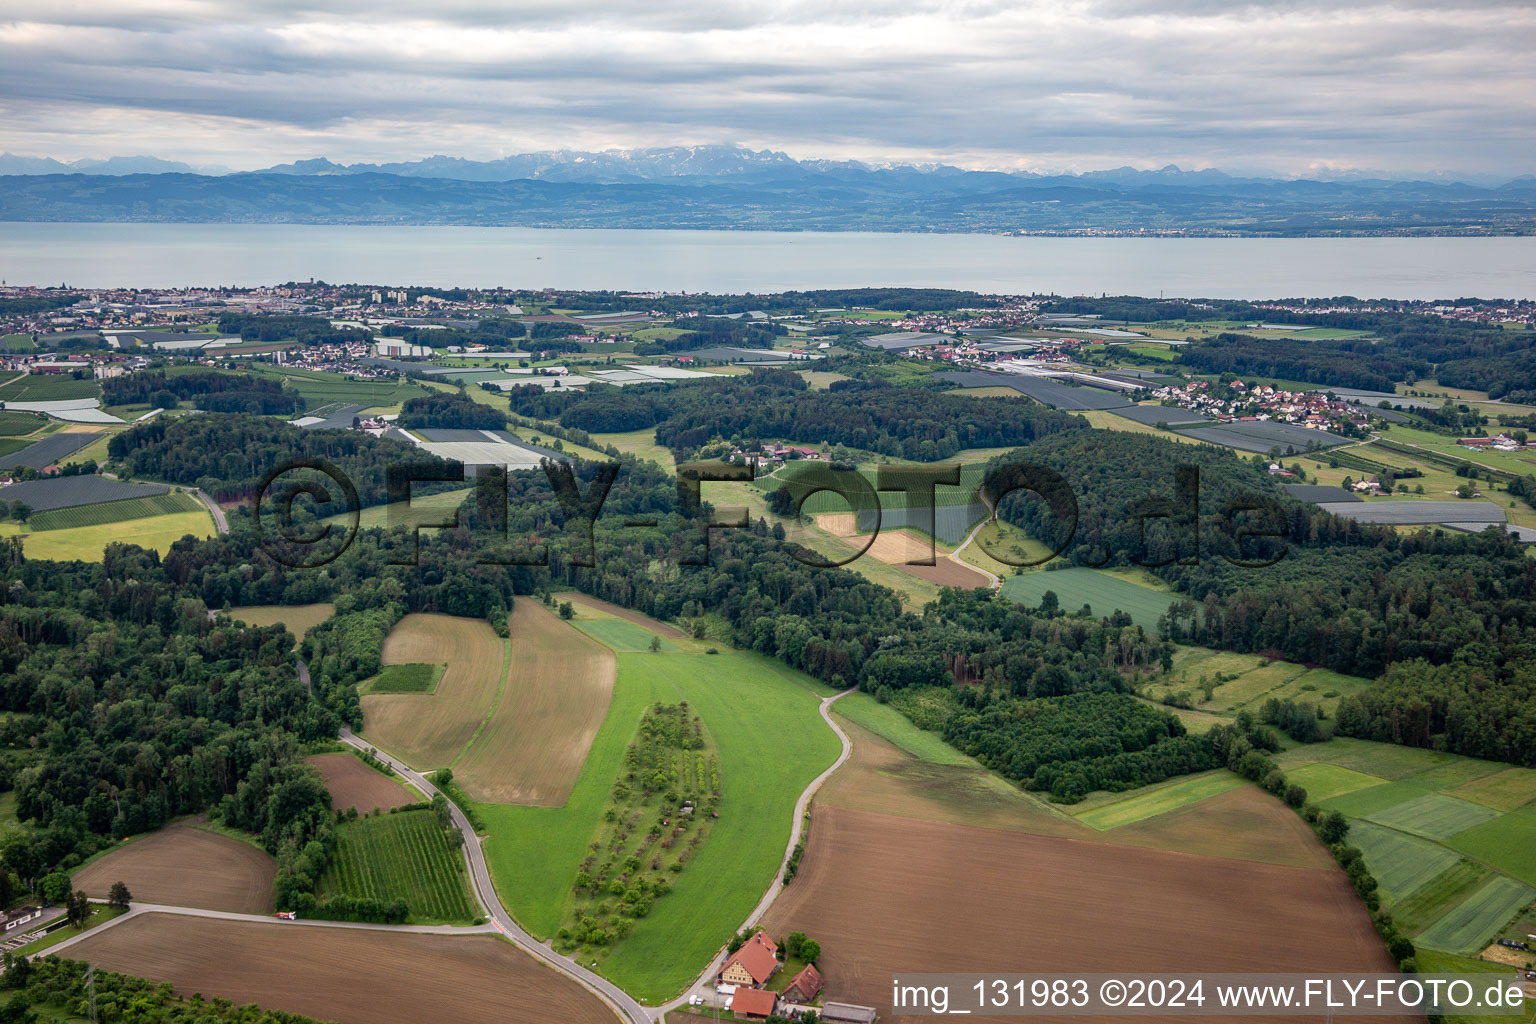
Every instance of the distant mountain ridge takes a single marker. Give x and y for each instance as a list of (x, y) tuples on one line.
[(719, 164), (726, 188)]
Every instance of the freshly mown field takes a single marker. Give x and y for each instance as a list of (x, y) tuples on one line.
[(345, 975), (619, 634), (532, 748), (184, 866), (86, 543), (1102, 592), (353, 784), (114, 511), (400, 856), (427, 730), (884, 894), (771, 743)]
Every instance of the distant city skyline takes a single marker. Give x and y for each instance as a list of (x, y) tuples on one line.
[(1282, 87)]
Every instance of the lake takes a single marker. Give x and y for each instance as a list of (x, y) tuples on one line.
[(167, 255)]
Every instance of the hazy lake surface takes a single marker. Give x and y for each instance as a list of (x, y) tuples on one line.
[(163, 255)]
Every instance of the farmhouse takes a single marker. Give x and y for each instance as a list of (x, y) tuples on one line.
[(805, 986), (848, 1013), (752, 964), (754, 1003)]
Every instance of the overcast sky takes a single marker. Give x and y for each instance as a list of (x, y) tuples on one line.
[(1417, 85)]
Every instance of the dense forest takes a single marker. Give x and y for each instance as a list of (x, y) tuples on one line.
[(1353, 597), (1350, 363), (209, 390), (777, 404), (228, 456), (450, 410), (307, 330)]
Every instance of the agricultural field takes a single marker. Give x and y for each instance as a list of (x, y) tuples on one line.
[(413, 678), (19, 424), (429, 730), (344, 975), (298, 619), (86, 543), (1239, 681), (39, 453), (1102, 592), (318, 388), (1503, 791), (185, 866), (1151, 801), (867, 877), (1453, 870), (114, 511), (1264, 436), (355, 784), (666, 799), (48, 387), (763, 720), (619, 634), (639, 443), (532, 747), (1505, 843), (400, 856)]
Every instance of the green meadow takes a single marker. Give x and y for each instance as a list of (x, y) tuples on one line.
[(772, 742)]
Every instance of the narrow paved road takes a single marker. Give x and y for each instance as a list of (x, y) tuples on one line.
[(703, 984), (219, 521), (625, 1006), (480, 878), (993, 580)]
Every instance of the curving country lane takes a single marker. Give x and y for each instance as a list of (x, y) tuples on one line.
[(501, 920), (480, 882), (703, 984)]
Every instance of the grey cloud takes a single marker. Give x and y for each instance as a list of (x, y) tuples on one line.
[(1420, 84)]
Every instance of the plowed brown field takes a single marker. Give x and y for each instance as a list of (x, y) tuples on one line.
[(532, 749), (344, 975), (427, 730), (182, 866), (354, 784), (884, 894)]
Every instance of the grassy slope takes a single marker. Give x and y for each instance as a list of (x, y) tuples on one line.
[(772, 743), (86, 542)]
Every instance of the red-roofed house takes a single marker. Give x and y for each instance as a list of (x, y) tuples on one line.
[(752, 964), (754, 1003), (805, 986)]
